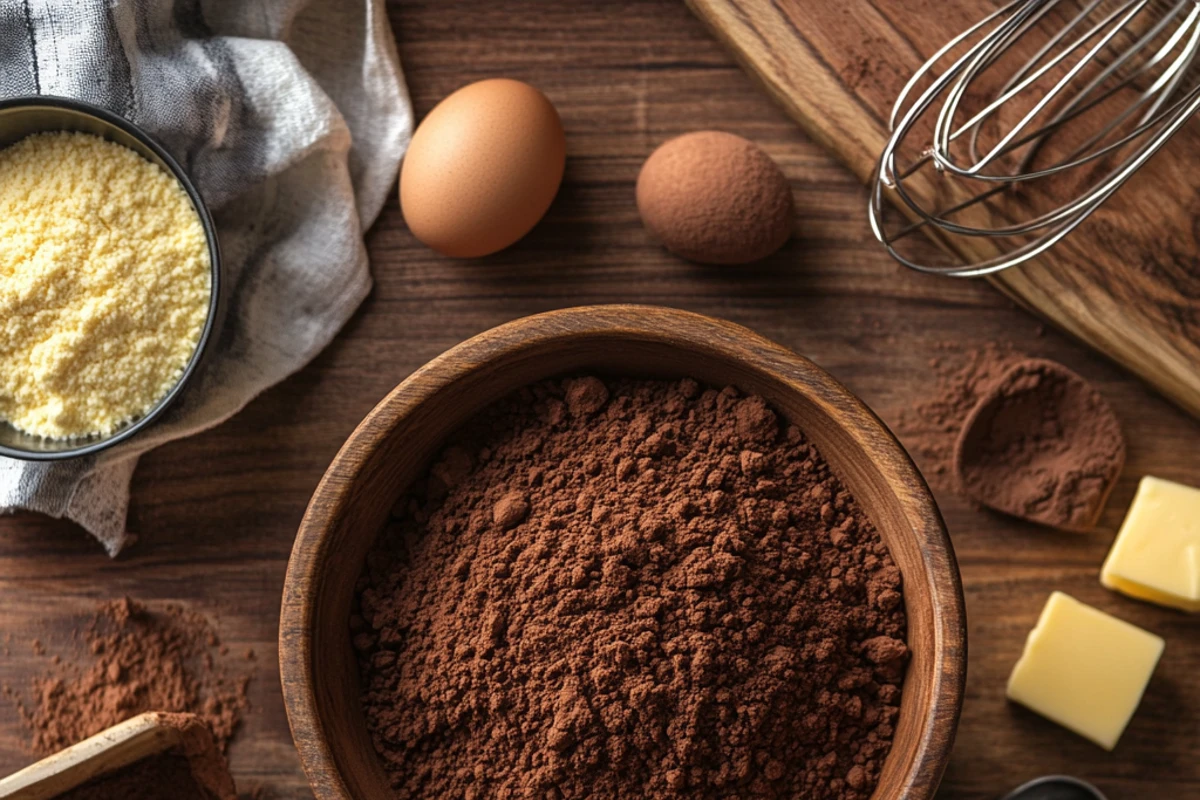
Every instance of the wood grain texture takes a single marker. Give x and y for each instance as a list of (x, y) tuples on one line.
[(1127, 282), (217, 513), (396, 442)]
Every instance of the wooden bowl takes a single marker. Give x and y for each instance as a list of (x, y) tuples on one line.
[(396, 442)]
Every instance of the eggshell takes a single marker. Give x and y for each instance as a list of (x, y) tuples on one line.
[(715, 198), (482, 168)]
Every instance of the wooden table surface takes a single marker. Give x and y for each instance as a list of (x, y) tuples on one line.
[(216, 514)]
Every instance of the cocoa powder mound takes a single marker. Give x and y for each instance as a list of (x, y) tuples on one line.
[(632, 590), (140, 661), (192, 770), (161, 777), (1043, 445)]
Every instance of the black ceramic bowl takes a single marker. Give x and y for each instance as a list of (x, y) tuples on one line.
[(25, 116)]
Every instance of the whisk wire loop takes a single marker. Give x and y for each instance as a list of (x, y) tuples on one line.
[(1033, 130)]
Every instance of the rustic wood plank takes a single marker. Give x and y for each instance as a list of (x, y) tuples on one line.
[(217, 513)]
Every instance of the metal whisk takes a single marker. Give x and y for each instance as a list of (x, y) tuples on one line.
[(1019, 128)]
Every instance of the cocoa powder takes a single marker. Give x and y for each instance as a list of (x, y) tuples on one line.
[(1048, 450), (139, 661), (931, 426), (192, 770), (162, 777), (627, 590), (1043, 445)]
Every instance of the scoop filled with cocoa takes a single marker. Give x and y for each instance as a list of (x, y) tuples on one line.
[(153, 756), (1041, 444), (630, 588)]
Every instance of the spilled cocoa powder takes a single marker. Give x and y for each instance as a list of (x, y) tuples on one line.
[(1053, 455), (627, 590), (139, 661), (930, 427), (193, 770), (162, 777), (1043, 445)]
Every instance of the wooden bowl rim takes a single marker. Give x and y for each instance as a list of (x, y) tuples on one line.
[(643, 323)]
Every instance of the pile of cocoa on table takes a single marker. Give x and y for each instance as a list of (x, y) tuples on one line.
[(630, 589)]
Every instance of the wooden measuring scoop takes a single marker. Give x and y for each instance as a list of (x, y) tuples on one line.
[(1042, 445), (153, 734)]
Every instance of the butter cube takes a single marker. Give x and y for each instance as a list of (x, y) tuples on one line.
[(1084, 669), (1156, 555)]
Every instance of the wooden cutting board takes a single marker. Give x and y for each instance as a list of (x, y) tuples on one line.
[(1127, 282)]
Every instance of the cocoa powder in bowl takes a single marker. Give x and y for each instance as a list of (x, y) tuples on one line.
[(166, 776), (630, 589)]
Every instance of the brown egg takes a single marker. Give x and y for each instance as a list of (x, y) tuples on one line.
[(482, 168), (715, 198)]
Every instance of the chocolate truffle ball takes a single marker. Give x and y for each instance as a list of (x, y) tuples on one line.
[(715, 198)]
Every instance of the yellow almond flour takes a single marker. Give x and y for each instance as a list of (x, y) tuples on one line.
[(104, 284)]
